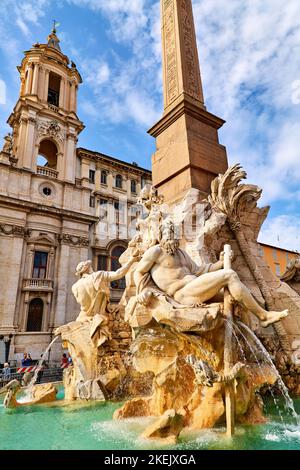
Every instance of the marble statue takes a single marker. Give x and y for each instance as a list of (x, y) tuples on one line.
[(92, 292), (8, 144), (170, 268), (90, 331)]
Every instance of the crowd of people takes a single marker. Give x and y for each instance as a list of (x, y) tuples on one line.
[(27, 361)]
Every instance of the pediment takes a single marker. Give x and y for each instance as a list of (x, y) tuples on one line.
[(42, 239)]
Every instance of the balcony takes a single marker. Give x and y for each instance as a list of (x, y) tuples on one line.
[(53, 108), (34, 284), (45, 171)]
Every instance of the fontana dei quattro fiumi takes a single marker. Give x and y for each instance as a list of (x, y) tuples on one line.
[(201, 351)]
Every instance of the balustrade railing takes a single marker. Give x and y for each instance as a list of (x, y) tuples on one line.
[(45, 171), (34, 283)]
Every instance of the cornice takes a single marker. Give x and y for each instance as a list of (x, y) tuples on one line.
[(185, 107), (28, 206)]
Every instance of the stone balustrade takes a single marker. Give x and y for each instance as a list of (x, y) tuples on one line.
[(45, 171), (37, 284)]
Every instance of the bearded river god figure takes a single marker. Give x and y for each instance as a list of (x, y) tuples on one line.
[(166, 269)]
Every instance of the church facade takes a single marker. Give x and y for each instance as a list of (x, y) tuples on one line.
[(59, 204)]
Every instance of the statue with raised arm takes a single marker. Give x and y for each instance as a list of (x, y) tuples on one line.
[(92, 292), (167, 269)]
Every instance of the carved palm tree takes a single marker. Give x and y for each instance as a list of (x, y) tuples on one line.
[(234, 199)]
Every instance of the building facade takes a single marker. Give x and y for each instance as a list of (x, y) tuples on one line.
[(59, 205), (277, 258)]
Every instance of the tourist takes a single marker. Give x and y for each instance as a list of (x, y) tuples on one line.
[(26, 361), (6, 372), (64, 360), (30, 360)]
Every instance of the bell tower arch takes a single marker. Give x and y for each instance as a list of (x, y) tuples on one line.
[(45, 116)]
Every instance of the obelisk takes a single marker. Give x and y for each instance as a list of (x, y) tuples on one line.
[(188, 154)]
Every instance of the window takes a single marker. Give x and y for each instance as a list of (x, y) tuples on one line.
[(102, 263), (133, 186), (47, 191), (119, 181), (115, 265), (275, 256), (92, 176), (53, 90), (35, 315), (40, 265), (47, 155), (92, 201), (103, 202), (278, 270), (103, 177), (261, 251)]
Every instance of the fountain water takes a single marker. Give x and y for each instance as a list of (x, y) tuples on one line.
[(28, 395), (283, 388), (262, 371)]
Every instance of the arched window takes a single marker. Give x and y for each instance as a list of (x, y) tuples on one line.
[(35, 315), (54, 89), (47, 154), (103, 177), (119, 181), (115, 265)]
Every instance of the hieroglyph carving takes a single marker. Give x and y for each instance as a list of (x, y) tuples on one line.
[(171, 71), (192, 77)]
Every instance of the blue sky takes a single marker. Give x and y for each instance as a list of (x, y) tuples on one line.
[(250, 62)]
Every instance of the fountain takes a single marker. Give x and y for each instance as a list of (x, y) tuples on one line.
[(193, 361)]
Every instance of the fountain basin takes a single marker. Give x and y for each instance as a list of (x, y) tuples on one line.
[(89, 426)]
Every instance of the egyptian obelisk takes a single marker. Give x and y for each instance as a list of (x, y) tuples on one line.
[(188, 154)]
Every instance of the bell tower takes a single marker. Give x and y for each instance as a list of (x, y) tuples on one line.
[(44, 121)]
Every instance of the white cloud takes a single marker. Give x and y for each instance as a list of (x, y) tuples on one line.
[(282, 231), (250, 57)]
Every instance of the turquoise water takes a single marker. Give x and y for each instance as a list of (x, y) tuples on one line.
[(62, 426)]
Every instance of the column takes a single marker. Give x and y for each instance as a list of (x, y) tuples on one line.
[(22, 141), (62, 286), (73, 98), (29, 262), (70, 163), (46, 86), (29, 79), (30, 147), (35, 80), (41, 84), (62, 93), (11, 248), (67, 95)]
